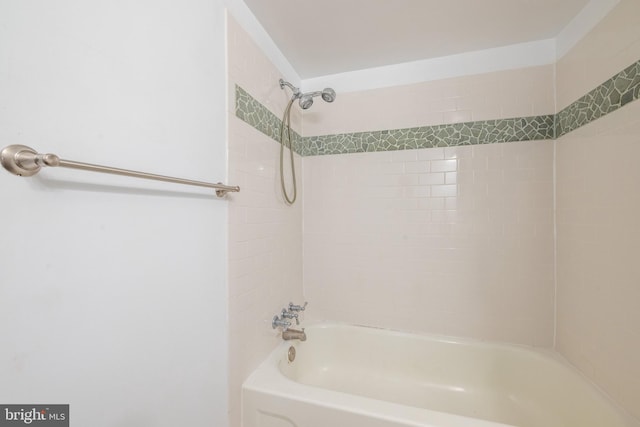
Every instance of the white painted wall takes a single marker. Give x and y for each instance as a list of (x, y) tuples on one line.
[(112, 290)]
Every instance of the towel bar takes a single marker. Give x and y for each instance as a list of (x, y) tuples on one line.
[(25, 161)]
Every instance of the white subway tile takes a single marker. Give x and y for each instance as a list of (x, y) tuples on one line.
[(444, 165), (417, 167), (404, 156), (444, 190), (432, 179), (431, 154)]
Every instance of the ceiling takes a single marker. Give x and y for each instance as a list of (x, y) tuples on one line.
[(322, 37)]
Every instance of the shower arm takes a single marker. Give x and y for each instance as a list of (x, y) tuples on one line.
[(296, 91), (314, 94)]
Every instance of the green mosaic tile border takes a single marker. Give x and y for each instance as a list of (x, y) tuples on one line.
[(257, 115), (261, 118), (611, 95), (470, 133)]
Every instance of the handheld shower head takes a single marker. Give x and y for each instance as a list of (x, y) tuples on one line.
[(328, 94), (306, 101)]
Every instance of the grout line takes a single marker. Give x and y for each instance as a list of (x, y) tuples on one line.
[(555, 208), (555, 246)]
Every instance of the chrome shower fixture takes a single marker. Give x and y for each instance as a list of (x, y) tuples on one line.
[(305, 100)]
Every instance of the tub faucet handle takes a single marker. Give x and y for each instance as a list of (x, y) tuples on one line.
[(290, 315), (293, 307), (278, 322)]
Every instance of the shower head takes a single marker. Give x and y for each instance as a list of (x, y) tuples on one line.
[(328, 94), (305, 100)]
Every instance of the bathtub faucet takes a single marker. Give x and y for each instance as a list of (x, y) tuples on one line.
[(294, 334), (278, 322), (293, 307), (290, 315)]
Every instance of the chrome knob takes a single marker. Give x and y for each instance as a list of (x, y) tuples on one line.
[(293, 307), (278, 322), (290, 315)]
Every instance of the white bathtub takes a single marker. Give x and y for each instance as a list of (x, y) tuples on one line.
[(350, 376)]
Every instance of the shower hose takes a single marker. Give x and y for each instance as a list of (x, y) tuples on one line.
[(286, 122)]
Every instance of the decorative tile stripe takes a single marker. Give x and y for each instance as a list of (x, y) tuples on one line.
[(615, 93), (261, 118), (470, 133), (257, 115)]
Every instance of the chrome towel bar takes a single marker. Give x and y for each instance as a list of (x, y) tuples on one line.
[(25, 161)]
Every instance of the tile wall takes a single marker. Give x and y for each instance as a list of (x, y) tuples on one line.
[(507, 94), (514, 105), (265, 235), (492, 131), (611, 47), (444, 135), (598, 245), (598, 206), (455, 241), (452, 240), (611, 95), (439, 229)]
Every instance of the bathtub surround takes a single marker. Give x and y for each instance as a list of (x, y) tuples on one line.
[(598, 244), (252, 112), (598, 206), (449, 135), (472, 133), (391, 228), (609, 96), (454, 241), (370, 216), (265, 235), (460, 240)]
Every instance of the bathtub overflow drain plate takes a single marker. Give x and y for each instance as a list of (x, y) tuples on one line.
[(292, 354)]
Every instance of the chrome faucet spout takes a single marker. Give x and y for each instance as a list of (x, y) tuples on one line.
[(294, 334)]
